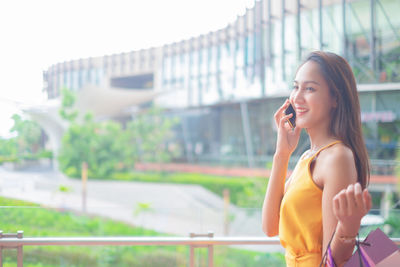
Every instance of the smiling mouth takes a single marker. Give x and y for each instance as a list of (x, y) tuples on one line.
[(300, 111)]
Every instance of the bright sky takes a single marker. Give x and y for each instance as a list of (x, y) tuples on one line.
[(37, 34)]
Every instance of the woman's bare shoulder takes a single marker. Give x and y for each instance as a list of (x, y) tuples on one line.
[(337, 153), (339, 160)]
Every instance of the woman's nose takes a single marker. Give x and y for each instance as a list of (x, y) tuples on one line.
[(296, 96)]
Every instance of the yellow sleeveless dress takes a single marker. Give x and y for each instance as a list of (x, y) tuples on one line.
[(300, 220)]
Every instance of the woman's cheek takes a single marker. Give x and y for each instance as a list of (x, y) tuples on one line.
[(291, 96)]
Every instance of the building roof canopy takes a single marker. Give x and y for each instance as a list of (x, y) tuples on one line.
[(111, 102)]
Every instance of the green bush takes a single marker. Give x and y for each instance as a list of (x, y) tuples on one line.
[(4, 159), (393, 221), (107, 147), (39, 222), (26, 145), (45, 154), (161, 258), (244, 191)]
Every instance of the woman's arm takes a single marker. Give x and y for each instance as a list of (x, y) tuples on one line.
[(287, 141), (349, 207), (339, 178), (273, 197)]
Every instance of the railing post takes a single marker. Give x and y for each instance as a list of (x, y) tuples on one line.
[(20, 256), (84, 185), (191, 260), (210, 251), (1, 250), (226, 211), (210, 255)]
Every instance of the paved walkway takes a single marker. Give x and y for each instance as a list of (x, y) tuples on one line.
[(168, 208)]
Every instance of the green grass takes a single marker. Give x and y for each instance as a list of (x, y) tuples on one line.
[(244, 191), (37, 221)]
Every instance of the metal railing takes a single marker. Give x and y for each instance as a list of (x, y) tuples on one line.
[(17, 241)]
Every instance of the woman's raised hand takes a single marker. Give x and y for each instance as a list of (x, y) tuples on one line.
[(349, 206), (288, 138)]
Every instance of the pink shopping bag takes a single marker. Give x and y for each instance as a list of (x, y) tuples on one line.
[(391, 261), (377, 250)]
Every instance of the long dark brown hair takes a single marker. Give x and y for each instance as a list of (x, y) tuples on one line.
[(345, 122)]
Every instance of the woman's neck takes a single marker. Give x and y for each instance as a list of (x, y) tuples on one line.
[(319, 138)]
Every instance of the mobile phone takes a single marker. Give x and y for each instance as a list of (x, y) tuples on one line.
[(292, 120)]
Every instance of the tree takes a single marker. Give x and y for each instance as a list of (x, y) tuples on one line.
[(67, 110), (8, 147), (8, 150), (150, 135), (26, 143), (28, 135), (76, 147), (106, 147)]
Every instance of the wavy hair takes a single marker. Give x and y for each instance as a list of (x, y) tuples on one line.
[(345, 123)]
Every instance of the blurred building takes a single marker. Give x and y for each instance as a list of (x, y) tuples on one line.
[(226, 85)]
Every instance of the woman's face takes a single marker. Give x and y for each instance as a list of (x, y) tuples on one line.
[(311, 98)]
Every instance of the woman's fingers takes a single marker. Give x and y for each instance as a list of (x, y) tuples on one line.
[(363, 198), (281, 111), (282, 108), (297, 131), (367, 199), (358, 195), (336, 206), (284, 119), (350, 200), (342, 202)]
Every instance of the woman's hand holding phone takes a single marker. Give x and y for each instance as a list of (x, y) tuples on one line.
[(291, 120), (288, 137)]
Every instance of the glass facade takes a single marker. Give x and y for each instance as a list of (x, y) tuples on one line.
[(257, 62), (254, 60)]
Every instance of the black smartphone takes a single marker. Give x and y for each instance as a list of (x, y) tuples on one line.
[(292, 120)]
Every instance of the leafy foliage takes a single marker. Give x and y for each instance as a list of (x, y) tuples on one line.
[(97, 144), (26, 144), (40, 222), (28, 135), (148, 134), (106, 147), (244, 191), (142, 207), (394, 222), (68, 112), (8, 150)]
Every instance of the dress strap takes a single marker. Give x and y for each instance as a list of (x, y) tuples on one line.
[(324, 147)]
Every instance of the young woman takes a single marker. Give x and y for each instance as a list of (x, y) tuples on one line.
[(325, 196)]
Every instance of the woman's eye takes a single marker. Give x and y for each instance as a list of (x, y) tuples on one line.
[(309, 89), (295, 87)]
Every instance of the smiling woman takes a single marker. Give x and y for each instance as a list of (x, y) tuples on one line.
[(323, 198)]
